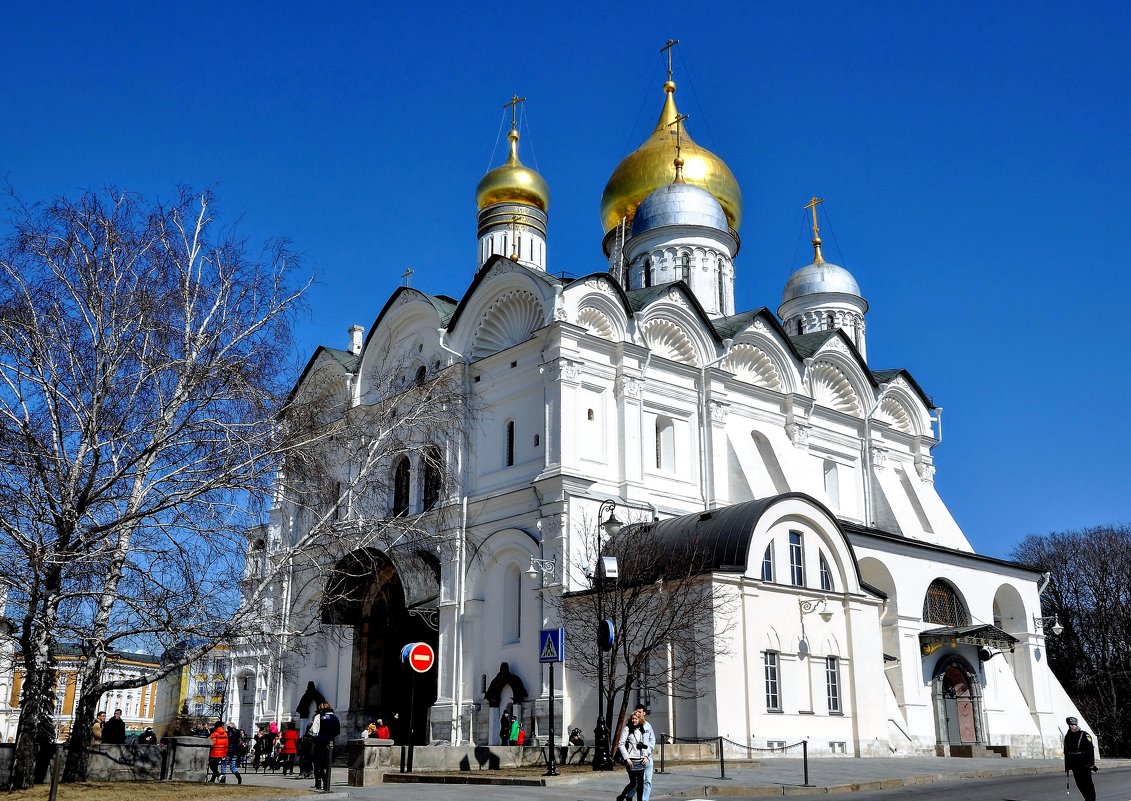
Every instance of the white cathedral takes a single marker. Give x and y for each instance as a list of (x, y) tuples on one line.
[(863, 620)]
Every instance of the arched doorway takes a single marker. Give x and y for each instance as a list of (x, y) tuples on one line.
[(958, 702), (389, 601)]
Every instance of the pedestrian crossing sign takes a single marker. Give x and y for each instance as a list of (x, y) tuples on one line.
[(551, 645)]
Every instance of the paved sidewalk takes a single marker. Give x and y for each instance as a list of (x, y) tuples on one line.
[(772, 777)]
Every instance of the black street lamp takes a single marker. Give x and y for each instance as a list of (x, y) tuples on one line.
[(601, 759)]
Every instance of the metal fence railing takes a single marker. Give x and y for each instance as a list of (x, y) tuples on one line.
[(749, 749)]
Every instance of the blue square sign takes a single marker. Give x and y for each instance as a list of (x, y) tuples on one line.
[(551, 645)]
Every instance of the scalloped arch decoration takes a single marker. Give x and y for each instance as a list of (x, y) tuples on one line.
[(511, 319), (833, 389), (893, 412), (667, 340), (750, 363), (597, 322)]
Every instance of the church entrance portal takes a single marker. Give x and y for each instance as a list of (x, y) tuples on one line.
[(389, 603), (958, 702)]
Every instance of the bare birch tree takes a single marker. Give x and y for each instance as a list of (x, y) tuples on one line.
[(140, 382)]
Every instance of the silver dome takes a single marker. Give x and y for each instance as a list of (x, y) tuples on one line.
[(678, 204), (818, 278)]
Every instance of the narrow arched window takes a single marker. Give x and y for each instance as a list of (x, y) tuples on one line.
[(685, 267), (646, 278), (800, 326), (509, 457), (512, 605), (830, 321), (796, 559), (832, 483), (768, 563), (826, 575), (401, 476), (430, 491), (421, 374), (722, 289), (665, 443)]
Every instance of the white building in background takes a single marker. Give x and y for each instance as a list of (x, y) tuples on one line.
[(864, 620)]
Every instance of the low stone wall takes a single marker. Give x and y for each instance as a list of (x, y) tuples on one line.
[(180, 758), (370, 759)]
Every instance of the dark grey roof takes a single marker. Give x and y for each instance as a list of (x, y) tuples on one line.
[(640, 298), (714, 541), (855, 529), (345, 358), (729, 326), (808, 344)]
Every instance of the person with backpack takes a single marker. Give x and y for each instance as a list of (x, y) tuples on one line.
[(325, 728)]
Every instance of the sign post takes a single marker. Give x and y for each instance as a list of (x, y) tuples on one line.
[(551, 649), (420, 657)]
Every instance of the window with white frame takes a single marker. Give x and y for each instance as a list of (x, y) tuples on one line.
[(768, 563), (773, 680), (826, 575), (796, 559), (832, 683)]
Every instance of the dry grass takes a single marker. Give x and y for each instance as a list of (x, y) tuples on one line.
[(149, 791)]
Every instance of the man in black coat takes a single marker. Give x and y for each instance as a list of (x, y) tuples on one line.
[(114, 730), (1080, 758)]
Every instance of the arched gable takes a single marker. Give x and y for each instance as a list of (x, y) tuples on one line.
[(597, 304), (505, 304), (667, 339), (903, 409), (508, 546), (750, 363), (832, 388)]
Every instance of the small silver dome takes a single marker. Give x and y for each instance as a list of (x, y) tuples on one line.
[(678, 204), (817, 278)]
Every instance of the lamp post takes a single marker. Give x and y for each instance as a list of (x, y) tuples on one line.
[(611, 526), (1039, 624)]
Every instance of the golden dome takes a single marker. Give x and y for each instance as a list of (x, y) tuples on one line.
[(650, 166), (513, 183)]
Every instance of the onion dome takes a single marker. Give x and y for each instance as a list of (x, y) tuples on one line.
[(649, 167), (513, 183), (678, 204), (817, 278)]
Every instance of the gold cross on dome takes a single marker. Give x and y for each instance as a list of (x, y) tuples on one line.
[(678, 123), (407, 275), (513, 106), (812, 206), (667, 48)]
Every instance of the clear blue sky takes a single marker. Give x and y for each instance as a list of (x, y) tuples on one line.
[(973, 157)]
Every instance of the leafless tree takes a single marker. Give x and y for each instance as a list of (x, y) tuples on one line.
[(140, 384), (667, 615), (1090, 593)]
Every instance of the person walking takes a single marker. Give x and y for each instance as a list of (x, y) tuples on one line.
[(217, 752), (637, 741), (505, 721), (1080, 758), (235, 751), (325, 727)]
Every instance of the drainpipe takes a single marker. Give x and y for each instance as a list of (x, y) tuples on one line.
[(706, 477), (461, 567), (938, 419)]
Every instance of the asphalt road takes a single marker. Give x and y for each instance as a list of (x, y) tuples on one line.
[(1111, 785)]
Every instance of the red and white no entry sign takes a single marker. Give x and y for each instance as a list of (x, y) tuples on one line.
[(421, 657)]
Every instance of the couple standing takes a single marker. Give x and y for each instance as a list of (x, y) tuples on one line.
[(636, 744)]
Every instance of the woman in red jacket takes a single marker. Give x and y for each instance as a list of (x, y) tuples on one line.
[(290, 748), (218, 751)]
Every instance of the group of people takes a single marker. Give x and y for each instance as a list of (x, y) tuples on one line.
[(111, 732), (378, 730), (275, 749), (510, 730)]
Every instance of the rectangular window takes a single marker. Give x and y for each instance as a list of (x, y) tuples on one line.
[(838, 746), (832, 683), (796, 559), (773, 684)]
